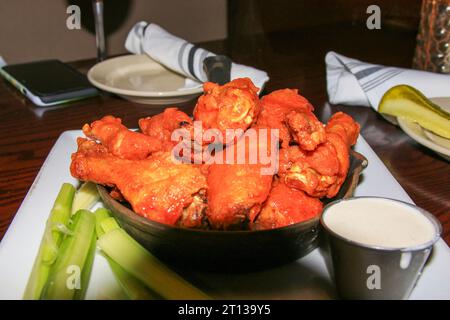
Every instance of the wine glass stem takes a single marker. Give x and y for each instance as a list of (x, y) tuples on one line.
[(99, 30)]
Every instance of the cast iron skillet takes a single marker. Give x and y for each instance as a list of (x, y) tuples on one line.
[(228, 251)]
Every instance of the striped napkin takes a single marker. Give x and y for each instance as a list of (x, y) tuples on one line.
[(353, 82), (181, 56)]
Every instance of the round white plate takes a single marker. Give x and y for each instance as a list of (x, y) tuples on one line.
[(426, 138), (141, 79)]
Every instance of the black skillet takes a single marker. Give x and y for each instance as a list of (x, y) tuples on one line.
[(228, 251)]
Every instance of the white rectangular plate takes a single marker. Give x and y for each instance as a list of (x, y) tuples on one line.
[(307, 278)]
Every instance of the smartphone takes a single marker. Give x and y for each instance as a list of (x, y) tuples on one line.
[(48, 82)]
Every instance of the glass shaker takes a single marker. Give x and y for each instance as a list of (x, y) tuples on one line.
[(433, 40)]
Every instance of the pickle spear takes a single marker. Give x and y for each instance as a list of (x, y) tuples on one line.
[(409, 103)]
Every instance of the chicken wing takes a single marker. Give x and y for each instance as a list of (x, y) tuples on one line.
[(306, 129), (321, 172), (157, 188), (293, 116), (286, 206), (237, 189), (162, 125), (234, 105), (312, 172), (120, 141), (344, 126)]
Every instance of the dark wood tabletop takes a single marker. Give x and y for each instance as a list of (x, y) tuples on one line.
[(293, 59)]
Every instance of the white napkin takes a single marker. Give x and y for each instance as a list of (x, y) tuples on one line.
[(354, 82), (181, 56)]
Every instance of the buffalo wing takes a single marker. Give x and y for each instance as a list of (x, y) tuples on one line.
[(236, 190), (121, 141), (234, 105), (285, 206), (293, 116), (161, 126), (320, 173), (156, 187)]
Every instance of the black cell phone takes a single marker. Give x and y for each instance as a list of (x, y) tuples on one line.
[(48, 82)]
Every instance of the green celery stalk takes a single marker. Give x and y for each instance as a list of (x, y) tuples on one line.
[(109, 224), (133, 288), (87, 268), (51, 241), (73, 257), (85, 197), (138, 262), (100, 215)]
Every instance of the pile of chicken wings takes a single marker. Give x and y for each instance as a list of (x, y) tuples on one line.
[(139, 167)]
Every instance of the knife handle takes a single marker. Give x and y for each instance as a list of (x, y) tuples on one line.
[(218, 69)]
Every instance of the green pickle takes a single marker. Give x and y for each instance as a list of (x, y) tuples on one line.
[(407, 102)]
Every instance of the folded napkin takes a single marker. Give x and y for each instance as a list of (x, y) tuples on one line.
[(180, 55), (354, 82)]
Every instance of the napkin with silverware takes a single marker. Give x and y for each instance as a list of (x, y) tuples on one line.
[(181, 56), (353, 82)]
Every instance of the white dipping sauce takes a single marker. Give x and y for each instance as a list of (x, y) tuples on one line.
[(379, 222)]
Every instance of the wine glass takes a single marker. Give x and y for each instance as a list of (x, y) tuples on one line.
[(97, 6)]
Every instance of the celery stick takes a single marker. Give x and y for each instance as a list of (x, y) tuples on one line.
[(138, 262), (87, 268), (109, 224), (48, 250), (104, 222), (100, 215), (133, 288), (85, 197), (65, 276)]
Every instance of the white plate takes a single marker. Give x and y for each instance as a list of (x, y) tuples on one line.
[(140, 79), (426, 138), (307, 278)]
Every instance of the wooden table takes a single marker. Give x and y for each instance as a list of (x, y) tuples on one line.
[(293, 59)]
